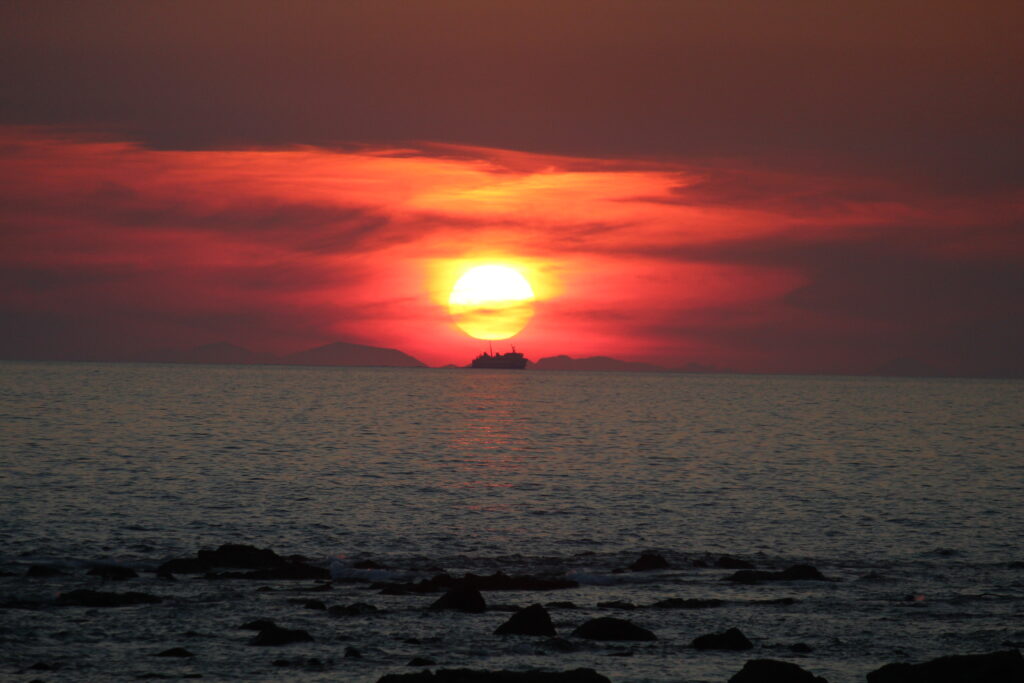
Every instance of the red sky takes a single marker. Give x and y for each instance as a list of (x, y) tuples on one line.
[(756, 186)]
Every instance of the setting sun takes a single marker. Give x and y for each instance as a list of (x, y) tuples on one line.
[(491, 302)]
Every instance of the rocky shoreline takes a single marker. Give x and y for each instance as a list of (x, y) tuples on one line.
[(313, 584)]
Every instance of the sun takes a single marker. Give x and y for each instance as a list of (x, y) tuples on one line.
[(491, 302)]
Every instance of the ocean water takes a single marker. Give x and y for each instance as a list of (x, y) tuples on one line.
[(909, 493)]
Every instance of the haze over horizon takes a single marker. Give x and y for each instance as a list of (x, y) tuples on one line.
[(792, 187)]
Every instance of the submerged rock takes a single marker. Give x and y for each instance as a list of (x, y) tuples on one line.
[(531, 621), (184, 565), (353, 653), (774, 671), (733, 639), (113, 572), (610, 628), (462, 598), (1006, 666), (688, 603), (421, 661), (649, 562), (475, 676), (798, 572), (87, 598), (276, 635), (616, 604), (42, 571), (240, 556), (175, 652), (499, 581)]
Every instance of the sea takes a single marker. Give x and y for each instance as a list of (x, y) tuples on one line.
[(906, 494)]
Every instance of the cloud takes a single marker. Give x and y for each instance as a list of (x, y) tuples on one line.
[(111, 248)]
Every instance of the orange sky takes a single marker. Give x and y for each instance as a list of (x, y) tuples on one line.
[(114, 249), (793, 186)]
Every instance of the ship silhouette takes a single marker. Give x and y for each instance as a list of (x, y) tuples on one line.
[(513, 360)]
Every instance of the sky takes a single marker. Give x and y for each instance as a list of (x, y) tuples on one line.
[(796, 187)]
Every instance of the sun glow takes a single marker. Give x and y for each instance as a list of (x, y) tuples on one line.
[(491, 302)]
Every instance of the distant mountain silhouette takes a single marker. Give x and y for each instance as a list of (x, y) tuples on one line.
[(358, 355), (594, 364), (221, 353), (907, 367)]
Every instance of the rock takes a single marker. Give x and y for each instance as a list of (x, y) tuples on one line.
[(726, 562), (88, 598), (474, 676), (994, 667), (733, 639), (42, 666), (560, 645), (314, 604), (241, 556), (610, 628), (699, 564), (688, 603), (353, 610), (648, 562), (616, 604), (799, 572), (421, 661), (42, 571), (175, 652), (801, 648), (257, 625), (113, 572), (531, 621), (352, 653), (276, 635), (774, 671), (462, 598), (184, 565)]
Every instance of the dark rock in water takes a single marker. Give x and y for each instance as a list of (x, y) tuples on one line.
[(462, 598), (1016, 564), (616, 604), (733, 639), (314, 604), (257, 625), (151, 676), (276, 635), (648, 562), (113, 572), (353, 610), (352, 653), (799, 572), (239, 556), (774, 671), (42, 666), (474, 676), (42, 571), (801, 648), (421, 661), (184, 565), (531, 621), (621, 653), (994, 667), (563, 604), (610, 628), (726, 562), (175, 652), (688, 603), (319, 588), (88, 598), (776, 601), (699, 564)]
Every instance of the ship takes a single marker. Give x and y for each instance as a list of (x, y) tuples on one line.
[(513, 360)]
